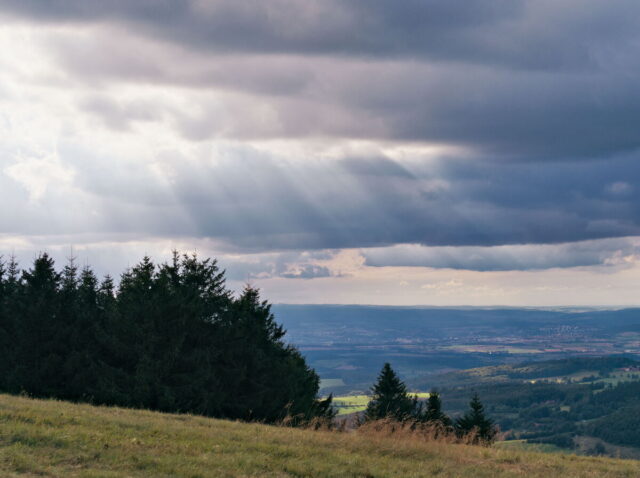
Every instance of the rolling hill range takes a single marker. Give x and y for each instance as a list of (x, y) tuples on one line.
[(347, 345), (586, 405), (51, 438)]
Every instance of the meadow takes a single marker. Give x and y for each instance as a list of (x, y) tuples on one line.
[(54, 439)]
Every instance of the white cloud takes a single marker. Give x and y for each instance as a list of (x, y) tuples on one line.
[(37, 175)]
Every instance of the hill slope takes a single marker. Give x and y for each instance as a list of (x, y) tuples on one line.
[(49, 438)]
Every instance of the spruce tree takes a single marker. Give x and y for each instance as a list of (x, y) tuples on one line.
[(390, 398), (5, 327), (81, 372), (38, 330), (261, 375), (10, 341), (433, 411), (475, 421)]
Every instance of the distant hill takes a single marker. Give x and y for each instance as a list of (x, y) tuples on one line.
[(347, 344), (50, 438), (312, 323), (575, 369), (587, 404)]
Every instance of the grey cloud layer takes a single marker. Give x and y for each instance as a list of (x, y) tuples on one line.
[(549, 33), (514, 78), (540, 95), (360, 202), (256, 202), (608, 252)]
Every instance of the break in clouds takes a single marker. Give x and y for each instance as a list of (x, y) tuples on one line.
[(476, 135)]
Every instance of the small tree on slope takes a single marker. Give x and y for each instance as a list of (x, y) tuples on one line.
[(433, 412), (390, 398), (475, 421)]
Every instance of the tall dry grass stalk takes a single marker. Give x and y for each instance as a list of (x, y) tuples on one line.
[(390, 429), (413, 430)]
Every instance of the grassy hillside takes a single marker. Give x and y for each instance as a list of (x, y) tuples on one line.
[(49, 438)]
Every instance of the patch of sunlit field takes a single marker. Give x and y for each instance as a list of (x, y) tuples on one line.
[(58, 439), (346, 404)]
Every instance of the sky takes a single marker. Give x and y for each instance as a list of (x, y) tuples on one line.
[(423, 152)]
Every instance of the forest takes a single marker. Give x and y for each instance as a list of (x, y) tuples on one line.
[(556, 402), (168, 337)]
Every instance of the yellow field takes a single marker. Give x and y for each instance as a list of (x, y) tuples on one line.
[(346, 404), (57, 439), (351, 403)]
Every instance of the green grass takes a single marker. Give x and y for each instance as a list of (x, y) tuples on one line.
[(55, 439), (524, 446)]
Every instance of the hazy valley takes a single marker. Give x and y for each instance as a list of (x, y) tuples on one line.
[(564, 378)]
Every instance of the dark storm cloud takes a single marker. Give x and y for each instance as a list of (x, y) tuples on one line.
[(322, 205), (512, 78), (362, 27), (531, 34), (247, 201), (505, 258), (255, 202)]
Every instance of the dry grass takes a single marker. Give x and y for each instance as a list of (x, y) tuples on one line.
[(412, 431), (49, 438)]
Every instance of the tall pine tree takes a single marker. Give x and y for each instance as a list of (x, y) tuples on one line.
[(390, 398), (475, 421), (432, 412)]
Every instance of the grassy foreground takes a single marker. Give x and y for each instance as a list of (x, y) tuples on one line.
[(50, 438)]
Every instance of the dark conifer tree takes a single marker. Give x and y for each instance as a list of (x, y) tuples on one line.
[(263, 374), (432, 412), (192, 298), (80, 370), (5, 327), (390, 398), (113, 358), (475, 421), (37, 328), (9, 289)]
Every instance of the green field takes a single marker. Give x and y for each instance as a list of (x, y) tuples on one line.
[(619, 377), (57, 439), (351, 403), (346, 404)]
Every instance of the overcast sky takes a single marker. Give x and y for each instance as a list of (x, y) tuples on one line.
[(471, 152)]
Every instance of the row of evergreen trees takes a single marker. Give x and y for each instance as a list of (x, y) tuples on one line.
[(390, 400), (170, 337)]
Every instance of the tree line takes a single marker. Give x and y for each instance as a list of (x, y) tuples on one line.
[(168, 337), (391, 401)]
